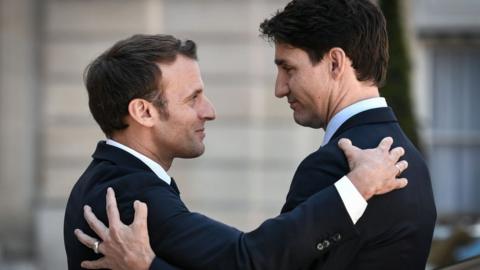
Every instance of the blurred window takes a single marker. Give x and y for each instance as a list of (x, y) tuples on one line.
[(454, 148)]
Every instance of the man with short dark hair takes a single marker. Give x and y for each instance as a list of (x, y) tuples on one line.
[(332, 57), (146, 93)]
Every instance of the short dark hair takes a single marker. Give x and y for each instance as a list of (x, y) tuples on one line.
[(129, 70), (316, 26)]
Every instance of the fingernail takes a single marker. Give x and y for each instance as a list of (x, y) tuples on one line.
[(86, 208)]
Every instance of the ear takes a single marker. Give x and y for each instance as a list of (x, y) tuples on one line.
[(338, 60), (141, 111)]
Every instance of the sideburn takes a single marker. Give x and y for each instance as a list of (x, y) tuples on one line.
[(161, 105)]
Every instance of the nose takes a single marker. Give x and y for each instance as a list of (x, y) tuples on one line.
[(208, 111), (281, 86)]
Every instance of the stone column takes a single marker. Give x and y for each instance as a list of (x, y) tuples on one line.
[(18, 126)]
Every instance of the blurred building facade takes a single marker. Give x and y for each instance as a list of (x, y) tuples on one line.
[(447, 74), (47, 134)]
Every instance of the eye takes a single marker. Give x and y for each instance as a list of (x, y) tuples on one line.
[(195, 97), (288, 69)]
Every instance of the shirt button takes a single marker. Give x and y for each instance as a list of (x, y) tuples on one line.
[(320, 246), (337, 237)]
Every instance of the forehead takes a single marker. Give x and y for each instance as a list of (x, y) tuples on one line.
[(181, 75)]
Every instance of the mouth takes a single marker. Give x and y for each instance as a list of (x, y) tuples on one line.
[(293, 104), (201, 132)]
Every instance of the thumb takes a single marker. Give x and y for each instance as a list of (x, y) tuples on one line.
[(348, 148)]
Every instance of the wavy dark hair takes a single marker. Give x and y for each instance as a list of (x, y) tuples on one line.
[(316, 26), (129, 70)]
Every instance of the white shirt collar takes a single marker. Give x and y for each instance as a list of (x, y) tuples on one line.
[(154, 166), (349, 111)]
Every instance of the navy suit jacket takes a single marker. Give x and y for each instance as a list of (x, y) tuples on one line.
[(396, 229), (191, 240)]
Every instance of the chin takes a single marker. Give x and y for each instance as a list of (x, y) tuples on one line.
[(193, 153), (308, 122)]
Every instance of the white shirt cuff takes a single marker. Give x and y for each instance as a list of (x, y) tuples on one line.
[(352, 199)]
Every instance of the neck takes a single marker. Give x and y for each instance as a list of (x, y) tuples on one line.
[(138, 143), (348, 95)]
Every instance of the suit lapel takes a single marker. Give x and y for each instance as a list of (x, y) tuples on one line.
[(373, 116)]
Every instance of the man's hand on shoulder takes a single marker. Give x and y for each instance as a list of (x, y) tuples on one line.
[(125, 247), (375, 171)]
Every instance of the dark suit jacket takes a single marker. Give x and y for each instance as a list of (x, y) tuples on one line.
[(396, 229), (191, 240)]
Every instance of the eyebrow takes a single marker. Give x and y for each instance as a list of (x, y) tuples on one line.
[(280, 62)]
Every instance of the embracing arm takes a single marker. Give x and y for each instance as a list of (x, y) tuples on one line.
[(193, 241), (285, 242)]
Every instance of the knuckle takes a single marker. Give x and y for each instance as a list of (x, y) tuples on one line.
[(114, 230)]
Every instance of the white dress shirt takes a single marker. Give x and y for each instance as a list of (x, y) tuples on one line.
[(352, 199), (154, 166)]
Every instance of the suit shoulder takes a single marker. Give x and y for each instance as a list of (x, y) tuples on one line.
[(129, 184), (124, 177), (328, 158), (317, 171), (327, 164)]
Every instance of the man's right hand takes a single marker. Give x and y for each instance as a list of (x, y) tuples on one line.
[(124, 247), (375, 171)]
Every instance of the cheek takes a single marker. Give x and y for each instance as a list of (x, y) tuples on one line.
[(303, 87), (176, 124), (295, 82)]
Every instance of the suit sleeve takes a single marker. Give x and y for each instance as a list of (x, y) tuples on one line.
[(289, 241), (159, 264)]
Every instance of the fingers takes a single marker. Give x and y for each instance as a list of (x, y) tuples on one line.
[(141, 213), (400, 183), (402, 166), (392, 185), (347, 147), (396, 153), (112, 208), (95, 224), (385, 144), (85, 238), (101, 263)]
